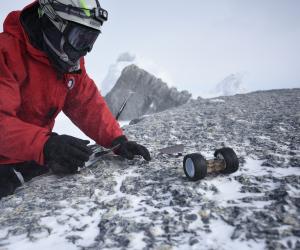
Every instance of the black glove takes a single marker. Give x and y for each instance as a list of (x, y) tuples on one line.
[(8, 181), (128, 149), (64, 153)]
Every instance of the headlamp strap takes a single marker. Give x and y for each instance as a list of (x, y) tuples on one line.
[(97, 13), (40, 12)]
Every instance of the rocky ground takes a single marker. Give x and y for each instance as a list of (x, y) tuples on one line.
[(120, 204)]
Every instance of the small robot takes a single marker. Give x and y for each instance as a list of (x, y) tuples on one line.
[(196, 167)]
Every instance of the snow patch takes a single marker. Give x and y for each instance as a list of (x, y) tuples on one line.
[(217, 100)]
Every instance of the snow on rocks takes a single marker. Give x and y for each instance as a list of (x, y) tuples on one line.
[(120, 204)]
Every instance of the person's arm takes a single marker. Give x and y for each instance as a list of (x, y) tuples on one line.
[(88, 110), (19, 141)]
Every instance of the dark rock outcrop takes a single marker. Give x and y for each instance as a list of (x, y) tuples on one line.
[(149, 94), (120, 204)]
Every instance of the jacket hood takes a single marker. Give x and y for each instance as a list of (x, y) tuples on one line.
[(13, 26)]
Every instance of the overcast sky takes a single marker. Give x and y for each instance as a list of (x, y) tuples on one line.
[(195, 44)]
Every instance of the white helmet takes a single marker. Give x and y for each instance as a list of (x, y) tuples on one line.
[(77, 24), (85, 12)]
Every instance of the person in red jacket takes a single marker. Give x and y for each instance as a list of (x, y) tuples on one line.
[(42, 73)]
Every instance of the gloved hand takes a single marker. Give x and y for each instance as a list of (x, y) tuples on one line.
[(128, 149), (64, 154)]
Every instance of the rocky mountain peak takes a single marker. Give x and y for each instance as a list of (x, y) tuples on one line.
[(147, 94), (230, 85)]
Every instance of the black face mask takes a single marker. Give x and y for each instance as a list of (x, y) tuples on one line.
[(65, 49), (60, 65)]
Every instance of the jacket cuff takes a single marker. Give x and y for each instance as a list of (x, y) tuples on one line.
[(119, 140)]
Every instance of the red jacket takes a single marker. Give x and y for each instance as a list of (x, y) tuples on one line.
[(31, 96)]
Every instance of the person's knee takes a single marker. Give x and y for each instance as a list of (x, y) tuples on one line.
[(13, 176), (30, 170), (9, 181), (7, 187)]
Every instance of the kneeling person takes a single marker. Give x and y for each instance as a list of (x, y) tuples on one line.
[(42, 73)]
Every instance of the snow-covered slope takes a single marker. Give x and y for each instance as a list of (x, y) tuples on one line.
[(63, 125), (120, 204)]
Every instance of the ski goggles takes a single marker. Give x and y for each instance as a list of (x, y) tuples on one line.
[(80, 37)]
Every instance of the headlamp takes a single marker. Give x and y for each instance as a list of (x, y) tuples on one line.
[(96, 16)]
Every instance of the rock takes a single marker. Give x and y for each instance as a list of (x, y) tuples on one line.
[(148, 94), (191, 217)]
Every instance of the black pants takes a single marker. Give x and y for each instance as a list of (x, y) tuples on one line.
[(9, 180)]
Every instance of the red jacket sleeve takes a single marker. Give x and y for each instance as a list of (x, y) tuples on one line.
[(19, 141), (88, 110)]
